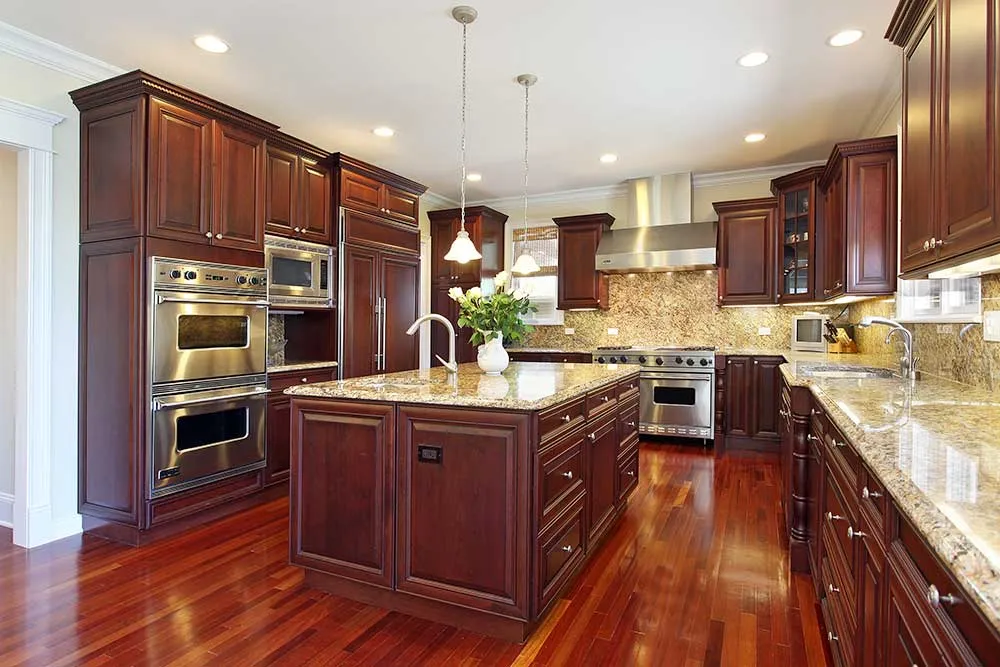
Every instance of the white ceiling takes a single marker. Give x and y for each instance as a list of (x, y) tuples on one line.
[(654, 81)]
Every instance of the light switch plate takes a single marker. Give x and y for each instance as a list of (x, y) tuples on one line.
[(945, 329), (613, 332), (991, 326), (763, 331), (570, 331)]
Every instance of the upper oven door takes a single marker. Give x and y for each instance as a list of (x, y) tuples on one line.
[(201, 336), (298, 273), (678, 399)]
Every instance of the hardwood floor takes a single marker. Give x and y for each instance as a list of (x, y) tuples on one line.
[(695, 574)]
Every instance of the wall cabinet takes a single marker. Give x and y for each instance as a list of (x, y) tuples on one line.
[(746, 251), (798, 224), (299, 194), (581, 285), (749, 390), (860, 219), (950, 155), (369, 189)]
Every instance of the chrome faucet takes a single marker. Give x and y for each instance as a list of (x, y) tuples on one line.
[(908, 363), (451, 365)]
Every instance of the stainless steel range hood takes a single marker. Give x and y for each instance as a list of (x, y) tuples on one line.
[(658, 234)]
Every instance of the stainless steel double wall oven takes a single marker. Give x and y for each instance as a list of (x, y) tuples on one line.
[(207, 372)]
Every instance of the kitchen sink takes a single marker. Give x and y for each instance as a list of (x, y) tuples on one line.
[(847, 373)]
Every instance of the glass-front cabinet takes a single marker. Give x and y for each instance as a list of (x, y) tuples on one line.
[(797, 223)]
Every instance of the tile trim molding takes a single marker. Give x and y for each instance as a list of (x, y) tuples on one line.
[(29, 46)]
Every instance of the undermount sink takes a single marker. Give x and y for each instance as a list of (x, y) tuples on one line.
[(840, 372)]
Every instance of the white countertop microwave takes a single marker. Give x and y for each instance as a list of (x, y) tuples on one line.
[(807, 333)]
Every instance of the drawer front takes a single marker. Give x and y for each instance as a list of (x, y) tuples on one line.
[(278, 382), (628, 476), (561, 476), (628, 421), (628, 446), (561, 419), (560, 552), (602, 399), (873, 501), (837, 520), (839, 637), (628, 389), (837, 448), (832, 638)]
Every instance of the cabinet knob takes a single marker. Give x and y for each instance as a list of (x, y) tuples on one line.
[(838, 443), (935, 599), (812, 438), (630, 424), (851, 533), (218, 236), (833, 589), (831, 517), (938, 243), (568, 549), (566, 419), (927, 245), (305, 379), (826, 291), (298, 229), (568, 474), (631, 473), (592, 437), (832, 637), (838, 284), (208, 235), (604, 399), (866, 494)]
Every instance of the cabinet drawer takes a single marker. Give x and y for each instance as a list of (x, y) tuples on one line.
[(836, 638), (560, 553), (628, 476), (628, 421), (278, 382), (837, 519), (602, 399), (561, 419), (838, 449), (628, 447), (628, 389), (873, 502), (561, 475)]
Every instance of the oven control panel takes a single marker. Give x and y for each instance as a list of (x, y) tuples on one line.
[(202, 276)]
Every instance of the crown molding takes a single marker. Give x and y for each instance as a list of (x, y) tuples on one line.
[(28, 46), (750, 175), (603, 192), (432, 201), (28, 111)]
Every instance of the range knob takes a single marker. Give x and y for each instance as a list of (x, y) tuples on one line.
[(690, 362), (620, 360), (678, 360), (175, 274), (704, 362), (659, 361), (241, 280), (190, 275), (254, 280), (642, 360), (601, 360)]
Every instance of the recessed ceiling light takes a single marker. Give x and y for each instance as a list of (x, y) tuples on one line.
[(474, 177), (609, 158), (383, 131), (753, 59), (845, 37), (211, 43), (755, 137)]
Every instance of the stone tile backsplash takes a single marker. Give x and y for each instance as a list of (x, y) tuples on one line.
[(275, 340)]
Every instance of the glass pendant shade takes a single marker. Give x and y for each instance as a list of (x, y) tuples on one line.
[(525, 264), (462, 249)]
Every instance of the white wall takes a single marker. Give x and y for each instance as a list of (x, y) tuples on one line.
[(8, 275), (29, 83)]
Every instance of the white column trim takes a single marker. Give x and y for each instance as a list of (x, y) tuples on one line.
[(29, 130)]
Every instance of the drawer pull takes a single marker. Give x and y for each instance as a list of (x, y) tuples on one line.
[(592, 437), (631, 473), (935, 599), (568, 549), (305, 379), (814, 412), (208, 235), (784, 413), (630, 424), (927, 246), (812, 438), (866, 494), (830, 516), (832, 637), (837, 443), (833, 589), (566, 419), (851, 533), (604, 399), (568, 474), (218, 236)]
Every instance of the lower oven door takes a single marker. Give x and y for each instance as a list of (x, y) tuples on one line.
[(200, 336), (203, 436), (676, 404)]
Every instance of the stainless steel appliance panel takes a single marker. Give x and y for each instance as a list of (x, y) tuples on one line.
[(299, 273), (677, 403), (202, 436)]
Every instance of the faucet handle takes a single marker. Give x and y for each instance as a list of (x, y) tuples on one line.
[(448, 365)]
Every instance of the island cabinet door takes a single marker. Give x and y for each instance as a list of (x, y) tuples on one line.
[(602, 480), (463, 507), (341, 489)]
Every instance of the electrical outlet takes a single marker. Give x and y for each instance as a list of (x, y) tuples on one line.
[(569, 331), (763, 331), (945, 329), (613, 332), (991, 326)]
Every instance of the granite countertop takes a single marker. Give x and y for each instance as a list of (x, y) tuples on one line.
[(301, 366), (935, 445), (549, 350), (523, 386)]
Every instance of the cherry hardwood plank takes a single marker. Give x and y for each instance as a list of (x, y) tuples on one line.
[(695, 574)]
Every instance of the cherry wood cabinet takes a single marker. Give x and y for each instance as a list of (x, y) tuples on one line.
[(950, 153), (581, 286), (798, 224), (602, 484), (369, 189), (860, 224), (283, 191), (444, 305), (238, 204), (747, 248), (299, 194), (749, 390), (400, 288), (279, 419)]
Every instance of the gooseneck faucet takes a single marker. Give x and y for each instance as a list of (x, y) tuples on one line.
[(908, 363), (451, 365)]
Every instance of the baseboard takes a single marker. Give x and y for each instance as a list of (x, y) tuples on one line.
[(6, 510)]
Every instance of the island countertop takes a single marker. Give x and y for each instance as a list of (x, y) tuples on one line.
[(523, 386)]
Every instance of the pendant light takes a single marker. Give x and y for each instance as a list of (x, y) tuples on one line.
[(462, 249), (526, 264)]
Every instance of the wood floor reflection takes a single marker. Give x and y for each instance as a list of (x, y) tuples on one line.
[(695, 574)]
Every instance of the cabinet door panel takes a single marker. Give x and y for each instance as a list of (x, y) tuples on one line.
[(580, 285), (442, 271), (279, 425), (180, 173), (400, 205), (316, 218), (909, 641), (282, 187), (871, 230), (442, 304), (361, 289), (870, 597), (747, 244), (764, 404), (919, 220), (360, 192), (738, 382), (602, 483), (400, 290), (475, 554), (835, 224), (342, 491), (238, 208)]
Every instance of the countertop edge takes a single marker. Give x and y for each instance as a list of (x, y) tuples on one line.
[(303, 366)]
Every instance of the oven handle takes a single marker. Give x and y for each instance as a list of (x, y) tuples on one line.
[(220, 302), (704, 377), (159, 404)]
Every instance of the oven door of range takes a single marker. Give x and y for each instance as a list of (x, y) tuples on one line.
[(677, 403), (200, 336), (203, 436)]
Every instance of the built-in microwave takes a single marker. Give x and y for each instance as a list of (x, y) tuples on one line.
[(808, 332), (298, 273)]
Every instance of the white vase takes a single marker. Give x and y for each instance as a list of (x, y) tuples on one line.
[(493, 358)]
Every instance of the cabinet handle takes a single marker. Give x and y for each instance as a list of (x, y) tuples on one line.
[(568, 474), (604, 399), (298, 229), (784, 413), (755, 362), (592, 437), (932, 243), (831, 517), (208, 235), (927, 246), (305, 379), (833, 589), (935, 599), (566, 419), (832, 637), (630, 424), (938, 243), (866, 494), (814, 412), (631, 473), (812, 438), (218, 236), (838, 284), (568, 549), (837, 443), (826, 291), (851, 533)]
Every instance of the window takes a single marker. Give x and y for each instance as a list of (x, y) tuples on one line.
[(542, 243), (941, 300)]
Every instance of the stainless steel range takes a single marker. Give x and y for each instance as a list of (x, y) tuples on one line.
[(676, 387)]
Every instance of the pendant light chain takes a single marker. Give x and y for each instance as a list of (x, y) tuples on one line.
[(526, 86), (465, 59)]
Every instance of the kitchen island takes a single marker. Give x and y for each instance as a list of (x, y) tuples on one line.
[(468, 499)]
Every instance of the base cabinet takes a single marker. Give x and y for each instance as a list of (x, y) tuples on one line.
[(748, 388), (602, 441)]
